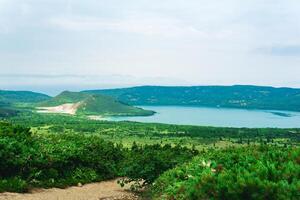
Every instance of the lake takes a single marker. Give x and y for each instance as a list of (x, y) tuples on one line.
[(221, 117)]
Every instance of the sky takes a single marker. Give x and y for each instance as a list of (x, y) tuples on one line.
[(55, 45)]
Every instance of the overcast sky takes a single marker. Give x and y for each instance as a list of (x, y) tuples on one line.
[(52, 45)]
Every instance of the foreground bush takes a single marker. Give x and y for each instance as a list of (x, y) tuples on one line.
[(59, 160), (53, 160), (236, 173), (146, 163)]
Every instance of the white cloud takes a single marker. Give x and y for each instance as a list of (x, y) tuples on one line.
[(205, 42), (157, 26)]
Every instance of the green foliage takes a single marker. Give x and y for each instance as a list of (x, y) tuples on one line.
[(28, 160), (7, 112), (257, 172), (14, 184), (146, 163), (21, 97), (48, 160), (238, 96), (66, 150)]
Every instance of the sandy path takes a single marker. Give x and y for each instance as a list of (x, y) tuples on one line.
[(106, 190)]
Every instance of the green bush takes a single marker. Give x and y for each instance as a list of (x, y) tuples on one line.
[(146, 163), (258, 172), (14, 184), (59, 160), (49, 160)]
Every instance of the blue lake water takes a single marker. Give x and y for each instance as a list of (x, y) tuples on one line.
[(222, 117)]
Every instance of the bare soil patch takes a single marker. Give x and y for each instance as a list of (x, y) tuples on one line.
[(106, 190)]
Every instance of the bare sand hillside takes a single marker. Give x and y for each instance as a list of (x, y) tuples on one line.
[(67, 108)]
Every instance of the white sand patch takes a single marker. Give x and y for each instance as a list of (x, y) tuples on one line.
[(97, 117), (67, 108)]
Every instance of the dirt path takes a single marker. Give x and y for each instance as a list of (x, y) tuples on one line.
[(106, 190)]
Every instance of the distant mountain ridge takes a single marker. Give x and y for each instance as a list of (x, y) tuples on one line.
[(8, 97), (94, 104), (237, 96)]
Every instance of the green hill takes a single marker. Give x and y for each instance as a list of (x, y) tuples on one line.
[(13, 102), (65, 97), (10, 97), (238, 96), (95, 104)]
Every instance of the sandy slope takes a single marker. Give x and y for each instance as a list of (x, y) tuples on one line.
[(106, 190), (68, 108)]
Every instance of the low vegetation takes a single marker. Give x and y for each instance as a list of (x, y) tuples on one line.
[(257, 172), (58, 160), (168, 161), (142, 133)]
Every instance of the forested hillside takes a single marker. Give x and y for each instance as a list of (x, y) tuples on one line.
[(238, 96), (10, 100), (21, 97)]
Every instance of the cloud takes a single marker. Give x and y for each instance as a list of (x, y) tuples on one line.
[(148, 26), (205, 42)]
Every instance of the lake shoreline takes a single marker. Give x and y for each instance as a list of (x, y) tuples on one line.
[(217, 117)]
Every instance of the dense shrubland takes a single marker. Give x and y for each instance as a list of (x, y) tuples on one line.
[(53, 160), (62, 150), (257, 172), (144, 164), (47, 160)]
